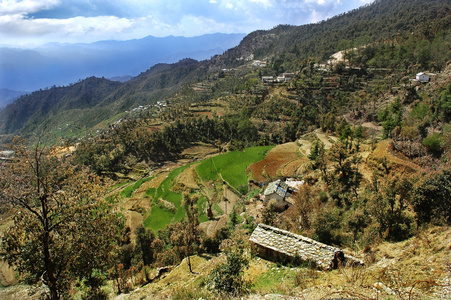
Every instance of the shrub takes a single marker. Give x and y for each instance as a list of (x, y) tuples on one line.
[(434, 143), (228, 277), (327, 225), (431, 198)]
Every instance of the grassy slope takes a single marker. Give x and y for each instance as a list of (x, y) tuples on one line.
[(231, 166)]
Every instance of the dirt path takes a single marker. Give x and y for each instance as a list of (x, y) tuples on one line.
[(232, 199), (7, 274)]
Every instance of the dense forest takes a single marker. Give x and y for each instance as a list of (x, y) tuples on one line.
[(371, 145)]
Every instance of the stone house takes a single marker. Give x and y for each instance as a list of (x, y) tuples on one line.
[(277, 244), (277, 192)]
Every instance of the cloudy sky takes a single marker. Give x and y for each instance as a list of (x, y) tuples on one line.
[(32, 22)]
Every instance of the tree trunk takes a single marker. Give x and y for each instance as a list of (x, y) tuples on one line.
[(189, 264), (49, 268)]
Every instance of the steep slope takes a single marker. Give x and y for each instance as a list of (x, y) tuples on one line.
[(283, 47), (380, 20), (45, 106)]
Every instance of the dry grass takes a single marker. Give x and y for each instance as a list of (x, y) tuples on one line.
[(418, 268), (396, 161), (188, 177)]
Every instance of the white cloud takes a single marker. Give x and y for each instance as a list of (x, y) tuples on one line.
[(41, 21), (315, 16), (265, 3), (64, 30), (14, 7)]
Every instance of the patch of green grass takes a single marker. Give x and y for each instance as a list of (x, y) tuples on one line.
[(164, 189), (232, 166), (271, 280), (128, 191), (158, 218), (118, 185), (217, 211), (253, 193), (202, 206), (151, 192)]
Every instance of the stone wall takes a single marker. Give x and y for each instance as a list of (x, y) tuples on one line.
[(278, 241)]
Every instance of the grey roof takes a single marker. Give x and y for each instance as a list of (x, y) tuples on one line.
[(278, 187), (292, 244)]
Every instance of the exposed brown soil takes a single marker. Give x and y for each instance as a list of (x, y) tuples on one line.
[(155, 183), (199, 151), (276, 158)]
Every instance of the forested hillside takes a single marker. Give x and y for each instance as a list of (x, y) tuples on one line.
[(283, 47), (340, 106)]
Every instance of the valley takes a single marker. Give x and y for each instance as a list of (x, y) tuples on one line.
[(156, 184)]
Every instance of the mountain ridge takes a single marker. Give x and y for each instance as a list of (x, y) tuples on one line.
[(283, 47), (61, 64)]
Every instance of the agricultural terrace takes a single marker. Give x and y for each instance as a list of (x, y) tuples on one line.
[(167, 198), (232, 166)]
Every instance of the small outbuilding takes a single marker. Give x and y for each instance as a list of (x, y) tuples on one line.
[(277, 244), (267, 79), (423, 77)]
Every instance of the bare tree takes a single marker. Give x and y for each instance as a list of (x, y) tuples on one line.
[(62, 230)]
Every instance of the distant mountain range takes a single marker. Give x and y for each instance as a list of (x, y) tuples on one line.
[(91, 102), (8, 96), (62, 64)]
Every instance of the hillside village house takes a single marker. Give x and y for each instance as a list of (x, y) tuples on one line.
[(6, 155), (267, 79), (277, 192), (259, 63), (285, 77), (422, 77), (277, 244)]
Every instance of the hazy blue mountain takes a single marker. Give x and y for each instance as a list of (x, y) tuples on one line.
[(8, 96), (63, 64)]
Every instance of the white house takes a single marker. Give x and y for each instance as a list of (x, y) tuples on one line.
[(267, 79), (277, 192), (285, 77), (259, 63), (422, 77), (280, 79)]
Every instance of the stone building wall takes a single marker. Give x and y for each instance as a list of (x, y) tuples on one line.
[(275, 242)]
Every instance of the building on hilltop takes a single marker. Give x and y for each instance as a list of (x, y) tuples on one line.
[(277, 244)]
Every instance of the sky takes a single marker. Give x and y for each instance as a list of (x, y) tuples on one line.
[(29, 23)]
